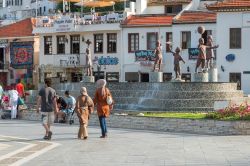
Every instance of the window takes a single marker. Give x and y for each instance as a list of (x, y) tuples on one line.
[(235, 38), (173, 9), (111, 42), (112, 76), (44, 9), (98, 43), (167, 77), (133, 42), (169, 38), (235, 77), (186, 40), (60, 44), (152, 38), (48, 45), (75, 44)]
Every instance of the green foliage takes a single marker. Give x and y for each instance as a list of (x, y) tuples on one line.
[(185, 115)]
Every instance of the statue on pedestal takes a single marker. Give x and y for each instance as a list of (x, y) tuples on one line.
[(177, 59), (202, 50), (158, 55), (89, 63), (210, 52)]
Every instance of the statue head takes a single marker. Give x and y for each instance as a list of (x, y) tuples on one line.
[(201, 41), (88, 42), (177, 50)]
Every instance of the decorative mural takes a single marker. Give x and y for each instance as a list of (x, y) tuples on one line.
[(21, 55)]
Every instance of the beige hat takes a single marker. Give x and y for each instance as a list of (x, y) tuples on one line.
[(83, 91), (101, 83)]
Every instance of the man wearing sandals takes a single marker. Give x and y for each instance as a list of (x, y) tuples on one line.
[(47, 101)]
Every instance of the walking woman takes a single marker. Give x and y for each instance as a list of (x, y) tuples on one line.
[(84, 107), (103, 108)]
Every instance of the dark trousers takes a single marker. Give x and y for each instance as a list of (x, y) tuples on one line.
[(102, 121)]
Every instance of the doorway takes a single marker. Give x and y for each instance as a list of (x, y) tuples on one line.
[(235, 77), (144, 77)]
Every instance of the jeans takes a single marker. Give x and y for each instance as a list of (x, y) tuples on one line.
[(102, 121)]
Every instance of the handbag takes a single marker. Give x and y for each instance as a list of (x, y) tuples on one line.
[(109, 99)]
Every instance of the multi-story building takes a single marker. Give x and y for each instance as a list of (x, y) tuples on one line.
[(233, 31)]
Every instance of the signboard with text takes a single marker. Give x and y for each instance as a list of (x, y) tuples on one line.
[(144, 55), (64, 25)]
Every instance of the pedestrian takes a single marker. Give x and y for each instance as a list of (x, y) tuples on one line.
[(61, 105), (158, 55), (103, 108), (13, 96), (20, 89), (47, 100), (84, 107)]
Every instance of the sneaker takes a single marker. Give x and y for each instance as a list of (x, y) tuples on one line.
[(49, 135)]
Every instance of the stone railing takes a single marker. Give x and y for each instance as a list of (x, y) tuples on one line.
[(210, 127)]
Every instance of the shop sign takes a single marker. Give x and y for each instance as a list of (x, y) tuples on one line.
[(230, 57), (193, 53), (64, 25), (108, 60), (144, 55)]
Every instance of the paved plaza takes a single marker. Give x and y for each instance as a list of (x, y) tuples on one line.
[(21, 144)]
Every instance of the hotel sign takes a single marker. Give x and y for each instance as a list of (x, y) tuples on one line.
[(64, 25), (246, 20)]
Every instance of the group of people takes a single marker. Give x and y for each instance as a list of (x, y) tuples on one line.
[(14, 98), (205, 56), (47, 105)]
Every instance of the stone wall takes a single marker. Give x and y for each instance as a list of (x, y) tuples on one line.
[(211, 127)]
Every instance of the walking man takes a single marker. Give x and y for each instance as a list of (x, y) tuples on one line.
[(47, 101)]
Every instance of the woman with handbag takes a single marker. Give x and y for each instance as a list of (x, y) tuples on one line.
[(84, 107), (104, 102)]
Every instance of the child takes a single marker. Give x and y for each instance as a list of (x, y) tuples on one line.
[(158, 55), (210, 52), (202, 54), (177, 59)]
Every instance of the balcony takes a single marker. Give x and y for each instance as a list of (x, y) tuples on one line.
[(74, 22)]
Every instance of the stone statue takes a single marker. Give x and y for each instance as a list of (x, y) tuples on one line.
[(210, 52), (202, 54), (177, 59), (158, 55), (89, 63)]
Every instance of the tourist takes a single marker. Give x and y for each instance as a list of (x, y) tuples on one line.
[(158, 55), (202, 54), (177, 59), (20, 89), (84, 107), (13, 96), (47, 100), (71, 103), (103, 108), (61, 105)]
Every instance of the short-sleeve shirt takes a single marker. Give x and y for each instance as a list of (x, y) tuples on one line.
[(71, 102), (20, 89), (47, 96)]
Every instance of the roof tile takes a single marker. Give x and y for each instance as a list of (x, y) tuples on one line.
[(196, 17), (232, 5)]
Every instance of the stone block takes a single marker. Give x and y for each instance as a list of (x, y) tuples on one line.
[(155, 77), (200, 77), (213, 74), (88, 79)]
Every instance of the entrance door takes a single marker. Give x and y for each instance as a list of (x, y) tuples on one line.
[(2, 58), (235, 77), (144, 77)]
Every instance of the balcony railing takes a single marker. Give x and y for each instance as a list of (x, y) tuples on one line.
[(86, 19)]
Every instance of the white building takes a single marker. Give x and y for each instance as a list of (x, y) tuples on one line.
[(233, 31), (21, 9)]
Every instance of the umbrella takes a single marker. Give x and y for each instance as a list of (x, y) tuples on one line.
[(95, 3)]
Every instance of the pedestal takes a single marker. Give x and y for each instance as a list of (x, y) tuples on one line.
[(155, 77), (213, 74), (200, 77), (88, 79), (177, 80)]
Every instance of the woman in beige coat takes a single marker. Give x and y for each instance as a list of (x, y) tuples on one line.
[(84, 107)]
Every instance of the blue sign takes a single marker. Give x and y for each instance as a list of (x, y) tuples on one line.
[(144, 55), (108, 60), (193, 53), (230, 57)]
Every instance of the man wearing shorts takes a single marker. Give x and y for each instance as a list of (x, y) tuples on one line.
[(47, 101)]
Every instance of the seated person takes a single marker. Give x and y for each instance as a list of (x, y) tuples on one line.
[(70, 106), (62, 105)]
